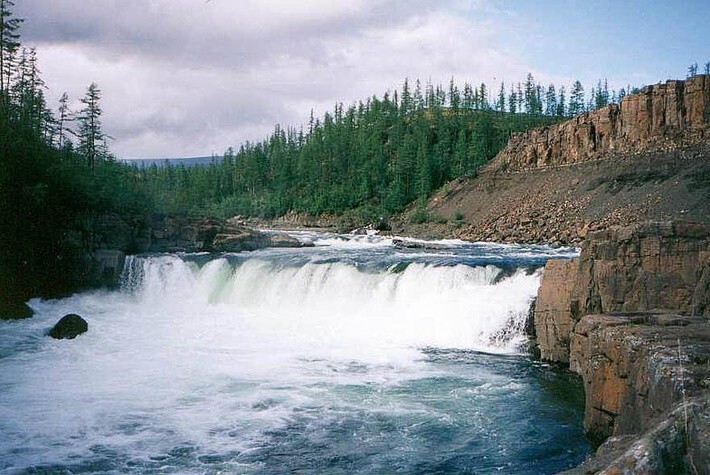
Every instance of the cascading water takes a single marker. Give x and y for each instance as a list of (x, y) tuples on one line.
[(352, 356)]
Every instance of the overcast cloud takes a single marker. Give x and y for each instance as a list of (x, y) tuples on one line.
[(193, 77)]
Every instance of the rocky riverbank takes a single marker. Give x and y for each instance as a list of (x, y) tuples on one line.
[(630, 315)]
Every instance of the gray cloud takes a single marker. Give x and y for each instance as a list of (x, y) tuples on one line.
[(192, 77)]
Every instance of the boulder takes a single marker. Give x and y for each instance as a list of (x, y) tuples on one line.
[(408, 244), (239, 240), (176, 233), (69, 327), (284, 240), (14, 310)]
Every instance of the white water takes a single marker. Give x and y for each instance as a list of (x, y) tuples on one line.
[(318, 309), (189, 361)]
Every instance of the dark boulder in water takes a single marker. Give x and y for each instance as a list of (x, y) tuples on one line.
[(14, 310), (69, 327)]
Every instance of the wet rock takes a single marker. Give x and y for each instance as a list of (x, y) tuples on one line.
[(407, 244), (14, 310), (195, 234), (557, 309), (642, 366), (652, 265), (69, 327), (285, 240), (242, 240)]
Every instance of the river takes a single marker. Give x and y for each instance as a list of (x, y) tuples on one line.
[(352, 356)]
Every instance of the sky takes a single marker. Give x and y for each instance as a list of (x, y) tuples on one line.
[(184, 78)]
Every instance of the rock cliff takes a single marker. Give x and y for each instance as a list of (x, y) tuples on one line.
[(661, 116), (631, 315), (645, 159), (646, 266)]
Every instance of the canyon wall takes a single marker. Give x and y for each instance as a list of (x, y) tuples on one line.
[(658, 117), (631, 315), (646, 266)]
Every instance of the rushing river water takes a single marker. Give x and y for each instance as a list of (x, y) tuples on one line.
[(353, 356)]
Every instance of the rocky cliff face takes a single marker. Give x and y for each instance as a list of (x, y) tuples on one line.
[(647, 266), (659, 117), (631, 315)]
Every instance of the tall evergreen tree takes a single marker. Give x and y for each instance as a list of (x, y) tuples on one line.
[(9, 44), (576, 99), (500, 103), (63, 119), (551, 101), (561, 102), (91, 137), (512, 101)]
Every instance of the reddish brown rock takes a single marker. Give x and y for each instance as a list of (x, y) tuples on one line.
[(557, 309), (641, 367), (658, 117), (658, 265), (647, 266)]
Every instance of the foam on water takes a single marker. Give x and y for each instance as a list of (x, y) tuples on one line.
[(214, 363)]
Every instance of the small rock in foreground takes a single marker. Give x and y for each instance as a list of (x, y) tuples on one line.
[(69, 327)]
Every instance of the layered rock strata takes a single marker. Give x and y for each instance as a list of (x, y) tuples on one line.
[(658, 265), (630, 315), (658, 117)]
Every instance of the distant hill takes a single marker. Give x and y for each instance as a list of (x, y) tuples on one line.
[(175, 162)]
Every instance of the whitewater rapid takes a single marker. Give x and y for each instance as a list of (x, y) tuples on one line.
[(285, 358)]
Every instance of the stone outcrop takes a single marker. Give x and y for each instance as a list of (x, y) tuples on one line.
[(658, 265), (631, 316), (557, 309), (69, 327), (12, 310), (637, 367), (194, 234), (658, 117)]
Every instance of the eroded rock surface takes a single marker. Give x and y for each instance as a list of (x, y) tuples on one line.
[(646, 266), (659, 117), (631, 316)]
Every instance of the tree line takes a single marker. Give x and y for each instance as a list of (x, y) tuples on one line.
[(367, 160), (372, 158)]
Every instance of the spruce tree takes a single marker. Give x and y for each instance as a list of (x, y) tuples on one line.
[(576, 99), (91, 137), (9, 44), (551, 101), (500, 103)]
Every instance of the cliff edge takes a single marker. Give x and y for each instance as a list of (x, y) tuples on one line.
[(631, 315), (660, 117), (645, 159)]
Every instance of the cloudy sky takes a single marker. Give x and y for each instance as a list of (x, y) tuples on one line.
[(193, 77)]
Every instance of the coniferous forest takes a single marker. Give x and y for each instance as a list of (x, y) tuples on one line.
[(372, 158), (51, 190)]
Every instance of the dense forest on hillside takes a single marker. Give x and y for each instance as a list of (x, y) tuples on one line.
[(50, 190), (373, 158)]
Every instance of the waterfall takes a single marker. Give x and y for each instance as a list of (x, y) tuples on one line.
[(419, 304)]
